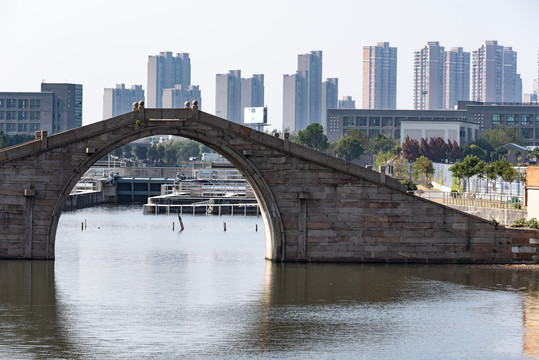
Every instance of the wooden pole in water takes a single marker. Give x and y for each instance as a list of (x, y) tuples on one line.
[(181, 222), (81, 226), (173, 226), (256, 227), (224, 226), (85, 224)]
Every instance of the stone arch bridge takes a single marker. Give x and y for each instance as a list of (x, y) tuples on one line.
[(315, 207)]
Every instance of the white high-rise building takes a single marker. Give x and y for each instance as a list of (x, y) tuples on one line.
[(119, 100), (380, 76), (494, 74), (429, 77), (456, 77), (165, 71)]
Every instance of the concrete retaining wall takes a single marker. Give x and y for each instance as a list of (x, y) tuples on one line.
[(503, 216)]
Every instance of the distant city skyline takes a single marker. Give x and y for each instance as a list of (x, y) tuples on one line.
[(95, 53)]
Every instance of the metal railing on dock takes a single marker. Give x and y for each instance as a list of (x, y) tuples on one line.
[(196, 189), (203, 207)]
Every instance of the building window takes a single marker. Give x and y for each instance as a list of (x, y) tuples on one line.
[(399, 120), (1, 103), (375, 121), (462, 133), (526, 133), (21, 128), (34, 127), (34, 103), (34, 115), (361, 120), (387, 121), (10, 127), (21, 115), (537, 133), (23, 103), (525, 119), (10, 103), (348, 121), (373, 132), (10, 115), (510, 119), (1, 115), (496, 119)]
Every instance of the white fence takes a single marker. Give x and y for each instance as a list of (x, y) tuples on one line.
[(443, 176)]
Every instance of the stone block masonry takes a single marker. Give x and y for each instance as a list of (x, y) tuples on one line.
[(315, 207)]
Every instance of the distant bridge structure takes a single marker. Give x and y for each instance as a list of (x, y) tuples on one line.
[(315, 207)]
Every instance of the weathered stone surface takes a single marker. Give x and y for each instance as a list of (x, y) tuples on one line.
[(318, 208)]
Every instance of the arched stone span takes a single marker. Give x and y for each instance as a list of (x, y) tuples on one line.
[(273, 225), (315, 207)]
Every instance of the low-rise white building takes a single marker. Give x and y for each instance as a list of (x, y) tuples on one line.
[(463, 132)]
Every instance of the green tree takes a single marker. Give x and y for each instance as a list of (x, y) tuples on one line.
[(153, 154), (500, 135), (474, 150), (348, 148), (423, 169), (458, 172), (118, 152), (188, 149), (483, 144), (361, 136), (500, 152), (127, 151), (7, 141), (313, 136), (161, 152), (507, 172), (382, 158), (471, 166), (141, 152), (491, 173), (171, 157), (381, 143)]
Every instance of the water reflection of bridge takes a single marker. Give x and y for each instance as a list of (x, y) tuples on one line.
[(38, 322)]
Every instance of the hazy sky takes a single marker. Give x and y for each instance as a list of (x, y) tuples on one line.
[(101, 43)]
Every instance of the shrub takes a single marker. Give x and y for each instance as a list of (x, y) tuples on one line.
[(409, 184), (532, 223), (519, 223)]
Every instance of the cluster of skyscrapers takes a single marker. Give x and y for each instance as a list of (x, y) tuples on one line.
[(233, 95), (169, 86)]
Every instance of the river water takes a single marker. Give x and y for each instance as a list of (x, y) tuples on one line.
[(129, 287)]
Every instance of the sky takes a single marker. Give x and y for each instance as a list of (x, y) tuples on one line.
[(102, 43)]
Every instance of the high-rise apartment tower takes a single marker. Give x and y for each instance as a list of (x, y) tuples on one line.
[(456, 77), (429, 77), (380, 76), (228, 96), (330, 97), (119, 100), (165, 71), (494, 74), (302, 93)]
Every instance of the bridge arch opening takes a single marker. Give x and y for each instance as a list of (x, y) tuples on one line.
[(274, 236)]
